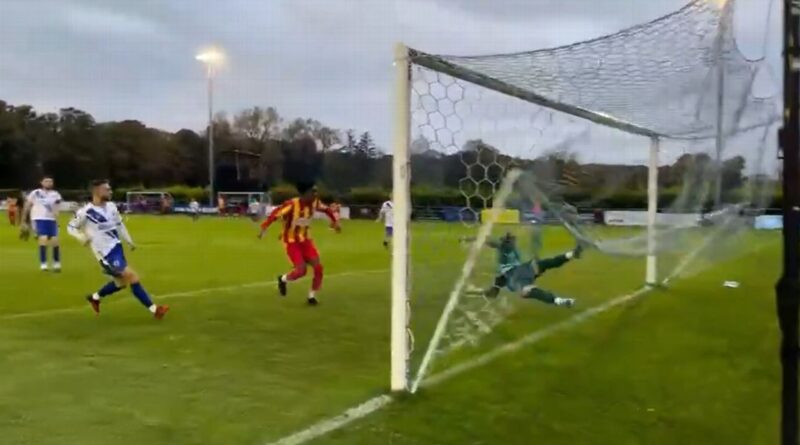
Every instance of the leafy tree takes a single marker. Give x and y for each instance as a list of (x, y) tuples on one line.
[(260, 124), (366, 146)]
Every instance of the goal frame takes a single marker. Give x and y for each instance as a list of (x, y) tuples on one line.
[(249, 196), (157, 193), (401, 337)]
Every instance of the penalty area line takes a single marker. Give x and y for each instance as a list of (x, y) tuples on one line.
[(375, 404)]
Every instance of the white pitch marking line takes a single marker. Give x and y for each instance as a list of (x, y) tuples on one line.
[(372, 405), (175, 295), (334, 423)]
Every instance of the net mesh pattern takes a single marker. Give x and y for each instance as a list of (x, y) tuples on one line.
[(661, 77)]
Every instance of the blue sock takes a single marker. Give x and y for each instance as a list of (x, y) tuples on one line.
[(108, 289), (141, 294), (57, 254), (43, 254)]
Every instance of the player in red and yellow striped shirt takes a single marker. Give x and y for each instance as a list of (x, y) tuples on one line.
[(296, 215)]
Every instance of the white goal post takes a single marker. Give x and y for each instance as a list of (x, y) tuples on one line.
[(401, 199)]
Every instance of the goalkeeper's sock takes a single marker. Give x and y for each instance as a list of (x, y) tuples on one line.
[(567, 302), (541, 295)]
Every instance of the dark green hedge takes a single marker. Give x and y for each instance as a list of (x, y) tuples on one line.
[(423, 196)]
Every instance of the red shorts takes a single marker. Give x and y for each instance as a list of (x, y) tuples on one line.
[(302, 252)]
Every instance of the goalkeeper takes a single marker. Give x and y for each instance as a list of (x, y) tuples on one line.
[(520, 276)]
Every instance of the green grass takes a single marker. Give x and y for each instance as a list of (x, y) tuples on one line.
[(692, 364)]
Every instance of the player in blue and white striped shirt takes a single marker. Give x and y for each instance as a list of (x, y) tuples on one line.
[(42, 207), (99, 226)]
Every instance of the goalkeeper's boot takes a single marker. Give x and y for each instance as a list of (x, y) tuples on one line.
[(579, 248), (95, 304), (160, 312), (281, 286)]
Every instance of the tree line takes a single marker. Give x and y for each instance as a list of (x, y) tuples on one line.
[(72, 146), (257, 149)]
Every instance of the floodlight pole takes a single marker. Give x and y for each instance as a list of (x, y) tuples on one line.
[(788, 287), (210, 134)]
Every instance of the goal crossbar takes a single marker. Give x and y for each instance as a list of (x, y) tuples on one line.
[(437, 63)]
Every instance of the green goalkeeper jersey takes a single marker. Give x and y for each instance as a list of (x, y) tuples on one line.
[(508, 257)]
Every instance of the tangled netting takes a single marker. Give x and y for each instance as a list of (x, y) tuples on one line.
[(662, 78)]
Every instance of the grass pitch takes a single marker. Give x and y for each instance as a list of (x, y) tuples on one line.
[(233, 363)]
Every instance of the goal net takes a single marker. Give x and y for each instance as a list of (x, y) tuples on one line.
[(650, 151)]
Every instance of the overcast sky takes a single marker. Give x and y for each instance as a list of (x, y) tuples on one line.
[(326, 59)]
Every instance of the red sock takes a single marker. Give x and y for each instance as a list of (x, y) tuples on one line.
[(296, 273), (316, 284)]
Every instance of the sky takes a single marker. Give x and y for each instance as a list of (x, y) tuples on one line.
[(326, 59)]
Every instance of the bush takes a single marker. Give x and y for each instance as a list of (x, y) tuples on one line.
[(433, 197), (282, 192), (185, 193), (368, 196), (180, 193), (425, 196), (77, 195)]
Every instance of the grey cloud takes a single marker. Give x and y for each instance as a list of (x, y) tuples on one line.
[(327, 59)]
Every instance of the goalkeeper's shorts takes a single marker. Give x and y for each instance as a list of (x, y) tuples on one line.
[(517, 278)]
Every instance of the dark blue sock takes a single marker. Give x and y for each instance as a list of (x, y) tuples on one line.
[(57, 254), (108, 289), (141, 294), (43, 254)]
